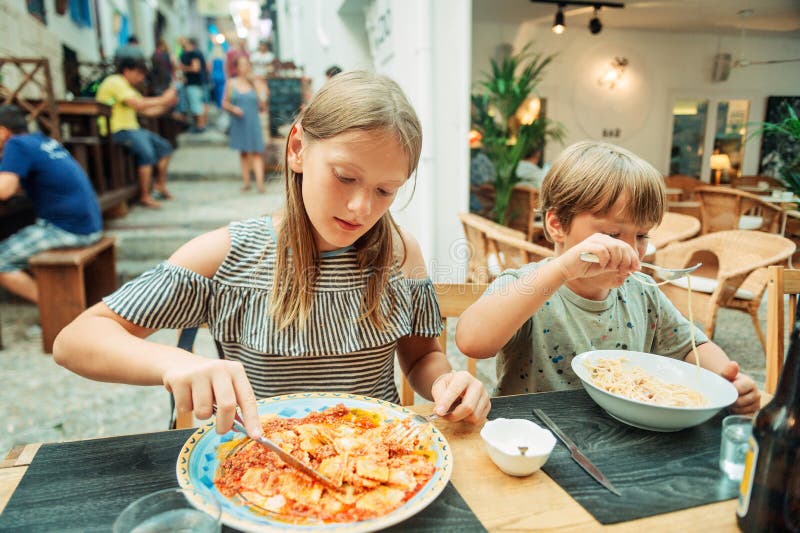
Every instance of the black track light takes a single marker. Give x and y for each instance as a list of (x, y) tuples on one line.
[(558, 23), (595, 26)]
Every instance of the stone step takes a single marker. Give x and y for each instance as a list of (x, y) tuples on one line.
[(150, 244), (204, 163)]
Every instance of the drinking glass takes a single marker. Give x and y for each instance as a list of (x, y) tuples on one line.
[(736, 430), (169, 510)]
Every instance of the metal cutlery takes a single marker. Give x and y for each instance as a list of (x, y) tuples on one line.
[(576, 454), (667, 274), (238, 425)]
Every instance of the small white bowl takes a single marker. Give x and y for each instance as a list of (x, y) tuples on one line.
[(505, 436)]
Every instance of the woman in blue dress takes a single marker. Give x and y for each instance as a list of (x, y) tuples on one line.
[(244, 97)]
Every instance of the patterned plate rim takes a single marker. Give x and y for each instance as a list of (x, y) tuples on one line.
[(422, 499)]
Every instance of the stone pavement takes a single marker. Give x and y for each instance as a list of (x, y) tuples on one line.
[(42, 402)]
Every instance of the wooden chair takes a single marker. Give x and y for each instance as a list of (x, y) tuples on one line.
[(782, 281), (674, 227), (724, 208), (514, 252), (687, 204), (733, 275), (454, 298), (26, 83), (522, 209), (476, 228)]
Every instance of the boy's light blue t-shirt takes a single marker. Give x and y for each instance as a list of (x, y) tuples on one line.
[(633, 317)]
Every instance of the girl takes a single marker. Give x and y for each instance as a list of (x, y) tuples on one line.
[(244, 97), (316, 297)]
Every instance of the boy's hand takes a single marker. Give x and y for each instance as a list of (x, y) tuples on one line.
[(615, 255), (448, 388), (749, 398), (199, 383)]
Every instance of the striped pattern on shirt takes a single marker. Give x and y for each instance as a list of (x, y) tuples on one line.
[(334, 352)]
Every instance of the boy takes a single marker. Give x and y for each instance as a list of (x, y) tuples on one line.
[(601, 199)]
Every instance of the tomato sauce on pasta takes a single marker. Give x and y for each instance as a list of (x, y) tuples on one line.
[(354, 448)]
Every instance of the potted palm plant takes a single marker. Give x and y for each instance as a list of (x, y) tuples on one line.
[(504, 136), (786, 132)]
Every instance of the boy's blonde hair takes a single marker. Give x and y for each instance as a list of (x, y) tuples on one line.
[(354, 101), (590, 176)]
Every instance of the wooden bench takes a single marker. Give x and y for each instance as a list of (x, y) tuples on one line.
[(70, 280)]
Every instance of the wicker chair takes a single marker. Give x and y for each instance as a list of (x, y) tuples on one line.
[(724, 208), (733, 275), (513, 252), (475, 230), (686, 183), (673, 228)]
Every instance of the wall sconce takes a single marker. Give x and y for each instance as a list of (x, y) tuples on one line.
[(720, 164), (613, 75)]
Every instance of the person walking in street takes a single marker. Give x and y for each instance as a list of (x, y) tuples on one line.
[(237, 49), (66, 207), (148, 148), (161, 73), (244, 96), (193, 64), (322, 295), (261, 60), (131, 50)]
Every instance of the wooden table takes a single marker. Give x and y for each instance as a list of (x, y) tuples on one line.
[(500, 502)]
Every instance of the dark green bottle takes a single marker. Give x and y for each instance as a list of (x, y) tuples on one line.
[(769, 495)]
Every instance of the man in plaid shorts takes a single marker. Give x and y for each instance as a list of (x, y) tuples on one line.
[(67, 212)]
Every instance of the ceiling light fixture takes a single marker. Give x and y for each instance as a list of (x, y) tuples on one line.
[(595, 26), (558, 23)]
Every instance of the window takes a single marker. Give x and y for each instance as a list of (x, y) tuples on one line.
[(688, 137), (81, 13), (730, 132), (37, 9)]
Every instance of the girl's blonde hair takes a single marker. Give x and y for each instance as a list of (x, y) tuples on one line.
[(354, 101), (590, 176)]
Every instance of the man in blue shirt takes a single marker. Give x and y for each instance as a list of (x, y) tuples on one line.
[(67, 212)]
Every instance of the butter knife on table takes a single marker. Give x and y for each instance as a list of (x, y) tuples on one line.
[(238, 425), (577, 455)]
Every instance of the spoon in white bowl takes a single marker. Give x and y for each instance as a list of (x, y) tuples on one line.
[(667, 274)]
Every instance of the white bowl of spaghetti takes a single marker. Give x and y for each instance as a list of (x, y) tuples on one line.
[(652, 391)]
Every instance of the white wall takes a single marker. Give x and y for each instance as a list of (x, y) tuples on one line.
[(317, 34), (432, 66), (663, 66)]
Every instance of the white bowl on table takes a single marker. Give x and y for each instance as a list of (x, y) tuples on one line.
[(517, 446), (718, 392)]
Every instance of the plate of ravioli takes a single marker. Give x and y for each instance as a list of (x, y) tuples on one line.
[(348, 438)]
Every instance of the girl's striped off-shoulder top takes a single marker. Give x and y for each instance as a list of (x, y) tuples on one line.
[(333, 352)]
